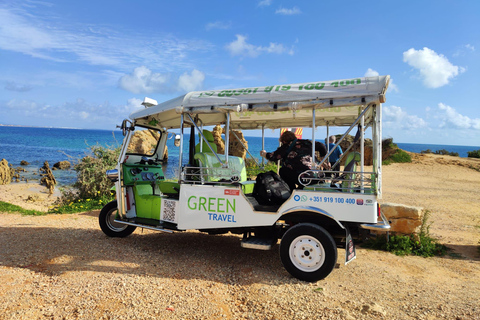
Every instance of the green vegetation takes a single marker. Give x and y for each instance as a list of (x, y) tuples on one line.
[(421, 244), (474, 154), (399, 156), (441, 152), (394, 153), (91, 191), (253, 170), (8, 207)]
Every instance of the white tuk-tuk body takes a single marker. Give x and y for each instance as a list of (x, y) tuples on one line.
[(211, 193)]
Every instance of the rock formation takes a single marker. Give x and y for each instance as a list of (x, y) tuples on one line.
[(48, 179), (235, 148), (217, 136), (144, 142), (62, 165), (6, 172), (24, 163)]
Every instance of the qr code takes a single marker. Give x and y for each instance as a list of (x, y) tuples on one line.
[(169, 210)]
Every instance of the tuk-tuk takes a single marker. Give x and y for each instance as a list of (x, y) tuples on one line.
[(212, 193)]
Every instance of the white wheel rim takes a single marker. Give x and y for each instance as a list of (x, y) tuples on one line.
[(307, 253)]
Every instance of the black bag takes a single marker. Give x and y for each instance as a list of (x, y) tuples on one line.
[(270, 189)]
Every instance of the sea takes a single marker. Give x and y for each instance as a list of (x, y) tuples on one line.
[(37, 145)]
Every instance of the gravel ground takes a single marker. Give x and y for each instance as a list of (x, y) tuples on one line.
[(64, 267)]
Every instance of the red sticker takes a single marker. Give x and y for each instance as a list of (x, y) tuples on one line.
[(232, 192)]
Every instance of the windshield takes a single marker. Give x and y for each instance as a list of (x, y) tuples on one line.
[(144, 141)]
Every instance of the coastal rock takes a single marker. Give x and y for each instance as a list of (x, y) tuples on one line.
[(235, 148), (48, 179), (388, 148), (24, 163), (403, 219), (143, 142), (6, 172), (62, 165), (217, 138)]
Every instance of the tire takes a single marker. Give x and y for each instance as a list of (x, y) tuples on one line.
[(308, 252), (109, 227)]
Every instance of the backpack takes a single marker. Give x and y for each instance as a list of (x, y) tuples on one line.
[(270, 189)]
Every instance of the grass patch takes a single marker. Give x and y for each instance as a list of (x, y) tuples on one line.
[(399, 156), (82, 205), (421, 244), (12, 208)]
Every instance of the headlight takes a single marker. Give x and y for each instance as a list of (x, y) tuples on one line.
[(112, 175)]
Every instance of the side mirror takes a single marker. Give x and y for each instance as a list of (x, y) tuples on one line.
[(125, 127), (176, 142)]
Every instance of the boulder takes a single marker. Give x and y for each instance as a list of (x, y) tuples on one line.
[(24, 163), (403, 219), (62, 165), (6, 172)]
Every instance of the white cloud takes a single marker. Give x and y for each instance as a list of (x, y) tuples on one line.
[(78, 113), (391, 86), (190, 82), (371, 73), (24, 30), (435, 69), (288, 12), (265, 3), (133, 104), (241, 47), (143, 80), (470, 47), (451, 118), (218, 25), (396, 117), (12, 86)]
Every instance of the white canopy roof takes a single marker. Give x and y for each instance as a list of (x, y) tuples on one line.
[(338, 102)]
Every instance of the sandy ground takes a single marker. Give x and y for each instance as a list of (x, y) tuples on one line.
[(64, 267), (31, 196)]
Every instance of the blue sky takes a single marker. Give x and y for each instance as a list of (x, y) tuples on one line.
[(89, 64)]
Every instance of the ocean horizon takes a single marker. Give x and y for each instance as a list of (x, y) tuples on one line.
[(39, 144)]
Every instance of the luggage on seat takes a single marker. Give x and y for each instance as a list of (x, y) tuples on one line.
[(270, 189)]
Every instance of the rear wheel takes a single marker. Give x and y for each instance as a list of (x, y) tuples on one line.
[(308, 252), (108, 225)]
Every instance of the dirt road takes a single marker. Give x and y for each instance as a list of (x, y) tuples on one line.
[(64, 267)]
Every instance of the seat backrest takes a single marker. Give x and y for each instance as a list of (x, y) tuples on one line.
[(211, 141), (215, 171), (353, 158)]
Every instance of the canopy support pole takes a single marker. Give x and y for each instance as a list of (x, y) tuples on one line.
[(263, 143), (180, 154), (313, 138)]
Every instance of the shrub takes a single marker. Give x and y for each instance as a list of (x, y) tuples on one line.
[(441, 152), (474, 154), (253, 170), (92, 188), (91, 179), (421, 244)]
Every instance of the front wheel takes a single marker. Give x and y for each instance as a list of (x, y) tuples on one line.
[(106, 219), (308, 252)]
